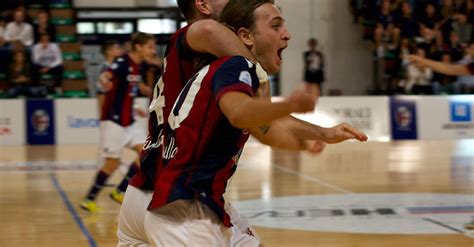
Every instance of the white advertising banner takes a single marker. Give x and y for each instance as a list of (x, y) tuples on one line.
[(446, 117), (371, 114), (77, 120), (12, 122)]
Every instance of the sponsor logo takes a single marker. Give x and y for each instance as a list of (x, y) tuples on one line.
[(460, 116), (40, 120), (4, 127), (396, 213), (460, 112), (403, 117), (82, 123), (4, 131), (357, 117), (134, 78), (246, 78)]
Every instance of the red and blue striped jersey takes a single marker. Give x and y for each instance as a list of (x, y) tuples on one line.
[(178, 68), (202, 147), (118, 103)]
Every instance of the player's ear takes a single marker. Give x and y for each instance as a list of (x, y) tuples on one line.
[(245, 36), (203, 7)]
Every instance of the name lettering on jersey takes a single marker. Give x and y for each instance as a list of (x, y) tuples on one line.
[(171, 149), (149, 144)]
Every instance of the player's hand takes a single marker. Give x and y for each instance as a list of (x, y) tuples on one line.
[(105, 84), (302, 101), (416, 60), (342, 132), (315, 147), (145, 89), (140, 112)]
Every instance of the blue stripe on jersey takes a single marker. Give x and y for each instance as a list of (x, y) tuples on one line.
[(235, 70)]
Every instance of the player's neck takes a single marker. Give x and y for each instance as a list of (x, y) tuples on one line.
[(135, 57)]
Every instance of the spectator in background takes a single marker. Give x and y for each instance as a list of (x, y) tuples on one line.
[(466, 82), (385, 31), (462, 28), (418, 76), (47, 59), (19, 30), (454, 47), (444, 83), (314, 68), (406, 21), (43, 26), (430, 17), (19, 77)]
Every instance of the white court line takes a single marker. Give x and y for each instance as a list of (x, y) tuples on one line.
[(467, 234), (313, 179)]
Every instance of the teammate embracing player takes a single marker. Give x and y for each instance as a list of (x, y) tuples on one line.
[(187, 207)]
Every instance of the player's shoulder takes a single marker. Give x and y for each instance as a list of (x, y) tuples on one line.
[(119, 62), (234, 62)]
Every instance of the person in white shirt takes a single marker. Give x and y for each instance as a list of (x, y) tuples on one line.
[(47, 59), (19, 30), (418, 75)]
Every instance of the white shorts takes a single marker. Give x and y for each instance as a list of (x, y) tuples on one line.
[(114, 138), (131, 222), (178, 224)]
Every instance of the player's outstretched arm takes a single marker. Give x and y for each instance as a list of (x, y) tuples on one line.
[(339, 133), (246, 112), (210, 36), (440, 67)]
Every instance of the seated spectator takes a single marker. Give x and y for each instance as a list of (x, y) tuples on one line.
[(462, 28), (406, 22), (453, 47), (19, 77), (466, 82), (430, 17), (47, 59), (19, 30), (417, 75), (385, 31), (43, 26), (444, 84)]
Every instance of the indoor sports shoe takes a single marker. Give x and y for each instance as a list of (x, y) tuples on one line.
[(90, 206), (117, 195)]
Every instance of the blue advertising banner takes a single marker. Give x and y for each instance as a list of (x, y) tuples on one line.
[(40, 122), (403, 118)]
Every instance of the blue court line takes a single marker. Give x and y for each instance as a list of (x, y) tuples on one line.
[(73, 212)]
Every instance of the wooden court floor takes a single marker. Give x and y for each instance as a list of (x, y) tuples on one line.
[(40, 188)]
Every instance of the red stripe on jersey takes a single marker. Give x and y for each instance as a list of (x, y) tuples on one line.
[(241, 87), (186, 157)]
